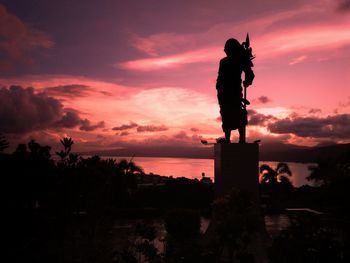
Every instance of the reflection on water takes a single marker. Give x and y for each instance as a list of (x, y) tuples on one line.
[(193, 168)]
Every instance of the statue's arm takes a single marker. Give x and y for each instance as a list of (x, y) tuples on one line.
[(248, 76)]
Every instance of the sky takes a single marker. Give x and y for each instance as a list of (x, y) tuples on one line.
[(115, 74)]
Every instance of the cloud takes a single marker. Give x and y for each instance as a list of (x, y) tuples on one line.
[(297, 60), (87, 126), (171, 61), (22, 111), (314, 111), (70, 120), (17, 39), (336, 126), (131, 125), (263, 99), (70, 91), (343, 6), (258, 119), (124, 133), (274, 34), (151, 128), (158, 43)]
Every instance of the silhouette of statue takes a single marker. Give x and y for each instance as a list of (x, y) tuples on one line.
[(229, 87)]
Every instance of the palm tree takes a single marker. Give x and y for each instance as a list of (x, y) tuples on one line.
[(129, 167), (277, 175), (67, 143)]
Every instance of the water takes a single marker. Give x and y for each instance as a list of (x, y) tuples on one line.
[(193, 168)]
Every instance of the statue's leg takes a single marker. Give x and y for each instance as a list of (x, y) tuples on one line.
[(241, 131), (228, 135)]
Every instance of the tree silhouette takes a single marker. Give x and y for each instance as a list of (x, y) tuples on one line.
[(3, 143), (330, 170), (67, 143), (236, 219), (277, 175), (128, 167)]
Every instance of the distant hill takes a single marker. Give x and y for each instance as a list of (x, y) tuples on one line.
[(268, 152), (292, 153), (164, 151)]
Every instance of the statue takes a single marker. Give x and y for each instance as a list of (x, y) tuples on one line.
[(229, 87)]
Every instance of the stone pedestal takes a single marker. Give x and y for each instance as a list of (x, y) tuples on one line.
[(237, 165)]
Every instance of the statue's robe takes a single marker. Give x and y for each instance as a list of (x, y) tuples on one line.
[(229, 91)]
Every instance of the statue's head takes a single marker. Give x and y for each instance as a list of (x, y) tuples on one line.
[(232, 47)]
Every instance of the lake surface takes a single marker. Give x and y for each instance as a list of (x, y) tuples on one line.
[(193, 168)]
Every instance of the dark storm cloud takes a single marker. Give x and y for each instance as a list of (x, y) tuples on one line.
[(87, 126), (336, 126), (258, 119), (71, 91), (22, 110), (70, 120), (125, 126), (151, 128)]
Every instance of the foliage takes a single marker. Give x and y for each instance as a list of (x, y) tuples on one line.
[(183, 232), (182, 223), (3, 143), (236, 219), (275, 186), (129, 167), (332, 175), (275, 176), (67, 144), (146, 231), (331, 170), (306, 240), (65, 203)]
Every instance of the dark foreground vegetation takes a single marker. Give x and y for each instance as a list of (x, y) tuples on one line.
[(75, 209)]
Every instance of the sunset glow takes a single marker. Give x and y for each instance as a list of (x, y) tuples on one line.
[(118, 74)]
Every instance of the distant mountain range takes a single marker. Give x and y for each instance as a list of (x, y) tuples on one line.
[(268, 152), (292, 153)]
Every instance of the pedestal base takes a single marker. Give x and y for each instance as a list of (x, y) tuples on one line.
[(237, 165)]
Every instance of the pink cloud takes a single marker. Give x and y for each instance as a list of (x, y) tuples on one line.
[(297, 60), (158, 43), (272, 35), (313, 38), (167, 62)]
